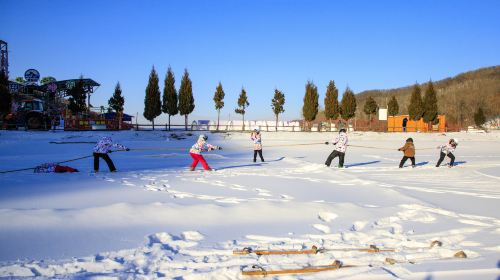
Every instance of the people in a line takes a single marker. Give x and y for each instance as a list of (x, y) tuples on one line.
[(447, 150), (199, 147), (257, 144), (409, 153), (101, 150), (340, 143)]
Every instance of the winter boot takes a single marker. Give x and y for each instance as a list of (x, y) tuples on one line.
[(191, 168)]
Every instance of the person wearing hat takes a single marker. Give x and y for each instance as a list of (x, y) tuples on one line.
[(199, 147), (257, 144), (447, 150), (101, 150), (340, 143), (409, 153)]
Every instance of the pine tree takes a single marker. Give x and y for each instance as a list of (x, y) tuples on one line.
[(117, 101), (277, 104), (5, 96), (242, 105), (311, 105), (332, 109), (370, 109), (393, 106), (479, 117), (169, 105), (77, 98), (416, 108), (430, 104), (186, 99), (152, 102), (348, 105), (219, 101)]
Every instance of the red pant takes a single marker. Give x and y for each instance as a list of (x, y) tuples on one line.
[(62, 169), (196, 159)]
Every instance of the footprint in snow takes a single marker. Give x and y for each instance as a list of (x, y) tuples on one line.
[(127, 183), (359, 225), (238, 187), (327, 216), (322, 228)]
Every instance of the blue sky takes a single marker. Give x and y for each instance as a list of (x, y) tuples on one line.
[(259, 45)]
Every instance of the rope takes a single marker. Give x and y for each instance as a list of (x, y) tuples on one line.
[(378, 148), (81, 142), (58, 162), (289, 145)]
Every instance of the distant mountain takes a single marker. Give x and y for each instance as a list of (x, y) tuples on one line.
[(458, 97)]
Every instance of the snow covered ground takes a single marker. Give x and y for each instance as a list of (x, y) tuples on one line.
[(155, 219)]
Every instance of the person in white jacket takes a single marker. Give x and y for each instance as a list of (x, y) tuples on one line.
[(447, 150), (257, 144), (102, 149), (340, 143)]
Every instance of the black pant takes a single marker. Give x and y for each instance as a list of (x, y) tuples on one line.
[(403, 160), (441, 158), (333, 155), (255, 152), (106, 158)]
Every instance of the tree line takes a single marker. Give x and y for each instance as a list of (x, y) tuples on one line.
[(182, 102), (461, 98), (345, 110)]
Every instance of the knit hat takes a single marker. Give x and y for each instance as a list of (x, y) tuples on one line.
[(203, 136)]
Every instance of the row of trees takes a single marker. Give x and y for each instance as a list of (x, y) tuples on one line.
[(173, 103), (333, 110), (426, 107), (277, 103), (183, 102)]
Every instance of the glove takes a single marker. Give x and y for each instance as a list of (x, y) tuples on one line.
[(219, 148), (127, 149), (326, 143)]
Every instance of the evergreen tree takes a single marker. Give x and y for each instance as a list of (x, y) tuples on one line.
[(479, 117), (393, 106), (5, 96), (430, 104), (311, 105), (186, 99), (169, 105), (348, 105), (416, 108), (370, 109), (152, 102), (242, 105), (219, 101), (332, 109), (77, 98), (277, 104), (117, 101)]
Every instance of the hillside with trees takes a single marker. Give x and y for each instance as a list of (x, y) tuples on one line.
[(458, 97)]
